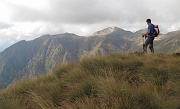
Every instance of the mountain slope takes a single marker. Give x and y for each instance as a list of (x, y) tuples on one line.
[(170, 43), (116, 81), (27, 59)]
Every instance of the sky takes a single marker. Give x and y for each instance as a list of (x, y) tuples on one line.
[(29, 19)]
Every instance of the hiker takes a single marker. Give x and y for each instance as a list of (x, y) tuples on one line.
[(149, 37)]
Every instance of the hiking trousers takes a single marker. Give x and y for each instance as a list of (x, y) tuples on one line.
[(149, 41)]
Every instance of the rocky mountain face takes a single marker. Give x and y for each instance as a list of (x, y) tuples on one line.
[(27, 59)]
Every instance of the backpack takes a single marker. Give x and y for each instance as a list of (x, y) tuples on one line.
[(156, 31)]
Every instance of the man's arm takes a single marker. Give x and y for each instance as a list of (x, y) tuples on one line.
[(145, 34)]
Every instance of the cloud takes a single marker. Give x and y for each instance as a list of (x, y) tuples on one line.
[(125, 13), (5, 25), (78, 12), (28, 19), (7, 38), (83, 12), (96, 11), (66, 12)]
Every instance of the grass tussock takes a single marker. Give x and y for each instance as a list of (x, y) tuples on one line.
[(116, 81)]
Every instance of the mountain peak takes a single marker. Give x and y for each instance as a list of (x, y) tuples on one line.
[(106, 31), (109, 30)]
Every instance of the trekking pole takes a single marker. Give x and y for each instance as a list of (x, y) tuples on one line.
[(143, 38)]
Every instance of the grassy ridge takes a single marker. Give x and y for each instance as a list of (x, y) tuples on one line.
[(116, 81)]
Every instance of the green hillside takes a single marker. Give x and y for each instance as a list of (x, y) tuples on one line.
[(116, 81)]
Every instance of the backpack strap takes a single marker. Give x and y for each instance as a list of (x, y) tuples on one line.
[(153, 31)]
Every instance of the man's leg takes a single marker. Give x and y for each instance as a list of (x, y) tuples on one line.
[(144, 48), (145, 45), (151, 45)]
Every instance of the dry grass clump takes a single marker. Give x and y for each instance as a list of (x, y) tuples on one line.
[(115, 81)]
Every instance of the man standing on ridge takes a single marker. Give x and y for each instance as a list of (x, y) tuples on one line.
[(149, 37)]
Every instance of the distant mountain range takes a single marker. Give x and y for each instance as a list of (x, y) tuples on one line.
[(27, 59)]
